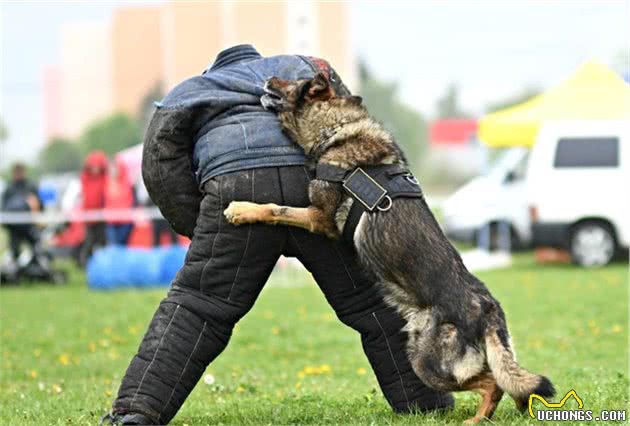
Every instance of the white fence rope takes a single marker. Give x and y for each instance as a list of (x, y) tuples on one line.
[(104, 215)]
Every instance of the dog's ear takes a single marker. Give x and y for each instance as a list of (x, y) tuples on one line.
[(354, 100), (318, 84)]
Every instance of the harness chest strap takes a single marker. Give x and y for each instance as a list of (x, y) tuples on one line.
[(373, 188)]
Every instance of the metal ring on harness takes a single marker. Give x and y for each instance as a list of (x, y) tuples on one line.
[(411, 178), (389, 204)]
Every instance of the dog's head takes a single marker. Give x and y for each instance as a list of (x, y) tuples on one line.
[(304, 106), (292, 95)]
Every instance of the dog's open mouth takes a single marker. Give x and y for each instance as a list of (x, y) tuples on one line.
[(272, 99)]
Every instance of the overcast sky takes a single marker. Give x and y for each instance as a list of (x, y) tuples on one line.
[(491, 49)]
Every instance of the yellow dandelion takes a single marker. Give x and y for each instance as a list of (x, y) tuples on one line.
[(56, 388), (33, 374), (240, 389), (108, 393), (616, 328), (328, 316), (361, 371), (298, 385), (92, 347), (64, 359), (133, 330), (324, 368), (301, 374), (118, 339), (595, 331), (107, 330), (275, 330), (103, 343)]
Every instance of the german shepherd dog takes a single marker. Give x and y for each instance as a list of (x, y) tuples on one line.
[(458, 338)]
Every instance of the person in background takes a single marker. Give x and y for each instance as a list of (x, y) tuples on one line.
[(93, 180), (21, 196), (118, 195)]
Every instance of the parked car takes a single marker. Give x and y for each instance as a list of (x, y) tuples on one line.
[(578, 189), (494, 202)]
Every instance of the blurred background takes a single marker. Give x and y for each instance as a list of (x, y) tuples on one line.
[(514, 116), (81, 79)]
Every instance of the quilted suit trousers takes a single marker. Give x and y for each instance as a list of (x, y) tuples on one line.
[(225, 269)]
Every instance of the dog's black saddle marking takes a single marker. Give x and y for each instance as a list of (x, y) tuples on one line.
[(373, 188)]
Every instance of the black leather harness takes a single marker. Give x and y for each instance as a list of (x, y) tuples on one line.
[(373, 188)]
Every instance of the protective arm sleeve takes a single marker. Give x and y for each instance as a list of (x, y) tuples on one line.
[(167, 168)]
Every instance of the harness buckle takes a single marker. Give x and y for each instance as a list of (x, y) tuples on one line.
[(365, 189)]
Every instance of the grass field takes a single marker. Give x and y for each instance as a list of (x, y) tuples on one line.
[(291, 361)]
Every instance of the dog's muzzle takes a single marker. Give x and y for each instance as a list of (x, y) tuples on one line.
[(271, 100)]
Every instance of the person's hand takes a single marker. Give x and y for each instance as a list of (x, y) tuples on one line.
[(33, 202)]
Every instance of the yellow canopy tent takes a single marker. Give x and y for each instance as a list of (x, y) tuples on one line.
[(594, 92)]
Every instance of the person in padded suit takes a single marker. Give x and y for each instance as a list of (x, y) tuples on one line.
[(210, 142)]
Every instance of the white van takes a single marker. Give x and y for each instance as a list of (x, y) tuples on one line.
[(578, 189), (495, 201)]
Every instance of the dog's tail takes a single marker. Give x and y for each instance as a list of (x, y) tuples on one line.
[(511, 377)]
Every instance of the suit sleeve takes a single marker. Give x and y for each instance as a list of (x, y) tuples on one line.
[(167, 168)]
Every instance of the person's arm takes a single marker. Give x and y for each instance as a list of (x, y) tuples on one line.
[(5, 197), (34, 200), (167, 168)]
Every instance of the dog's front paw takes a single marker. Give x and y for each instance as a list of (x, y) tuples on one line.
[(242, 212)]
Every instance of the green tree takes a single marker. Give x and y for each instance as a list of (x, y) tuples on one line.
[(147, 107), (448, 105), (620, 63), (4, 133), (405, 123), (111, 134), (60, 155)]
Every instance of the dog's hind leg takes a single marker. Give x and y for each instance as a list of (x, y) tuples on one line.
[(310, 218), (491, 394)]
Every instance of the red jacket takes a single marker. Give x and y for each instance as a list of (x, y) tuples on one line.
[(119, 191), (93, 182)]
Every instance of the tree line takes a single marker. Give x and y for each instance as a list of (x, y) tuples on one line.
[(110, 134)]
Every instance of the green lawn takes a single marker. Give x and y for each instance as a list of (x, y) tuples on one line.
[(64, 350)]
